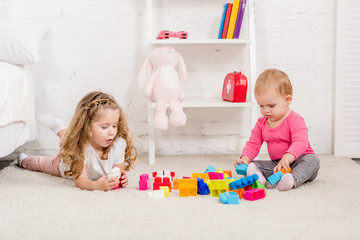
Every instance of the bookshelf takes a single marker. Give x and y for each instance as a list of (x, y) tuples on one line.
[(246, 41)]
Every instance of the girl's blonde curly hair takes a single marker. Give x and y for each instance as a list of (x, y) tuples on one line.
[(77, 136)]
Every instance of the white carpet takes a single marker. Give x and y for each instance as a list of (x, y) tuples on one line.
[(38, 206)]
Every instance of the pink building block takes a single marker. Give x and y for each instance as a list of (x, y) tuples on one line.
[(215, 176), (144, 183), (254, 194)]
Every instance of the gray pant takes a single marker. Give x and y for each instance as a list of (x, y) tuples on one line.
[(304, 169)]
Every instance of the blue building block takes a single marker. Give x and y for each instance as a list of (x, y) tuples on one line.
[(202, 188), (210, 169), (241, 169), (229, 198), (275, 177), (243, 182)]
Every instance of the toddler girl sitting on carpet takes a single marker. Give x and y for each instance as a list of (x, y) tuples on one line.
[(97, 140), (285, 133)]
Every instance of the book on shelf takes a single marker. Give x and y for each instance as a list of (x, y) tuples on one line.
[(233, 18), (227, 19), (239, 19), (222, 20)]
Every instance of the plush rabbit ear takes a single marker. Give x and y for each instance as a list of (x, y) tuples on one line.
[(145, 72), (182, 68)]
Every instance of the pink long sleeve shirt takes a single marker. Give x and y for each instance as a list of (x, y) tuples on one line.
[(291, 136)]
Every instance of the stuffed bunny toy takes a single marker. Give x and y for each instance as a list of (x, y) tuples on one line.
[(158, 79)]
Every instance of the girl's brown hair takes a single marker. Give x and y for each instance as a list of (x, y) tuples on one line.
[(77, 136), (273, 78)]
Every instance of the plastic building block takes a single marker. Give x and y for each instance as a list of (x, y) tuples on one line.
[(176, 184), (229, 198), (210, 169), (239, 192), (202, 188), (215, 175), (158, 182), (165, 34), (188, 187), (115, 172), (157, 194), (218, 186), (219, 170), (248, 187), (163, 174), (258, 184), (227, 172), (166, 190), (203, 176), (144, 183), (243, 182), (241, 169), (277, 176), (254, 194)]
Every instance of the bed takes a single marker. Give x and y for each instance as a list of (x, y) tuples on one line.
[(20, 41), (17, 118)]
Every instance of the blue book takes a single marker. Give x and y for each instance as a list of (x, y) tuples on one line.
[(222, 20)]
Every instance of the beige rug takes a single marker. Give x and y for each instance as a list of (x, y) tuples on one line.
[(38, 206)]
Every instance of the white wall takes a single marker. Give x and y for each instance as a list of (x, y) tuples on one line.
[(101, 45)]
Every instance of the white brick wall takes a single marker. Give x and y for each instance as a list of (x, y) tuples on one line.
[(101, 45)]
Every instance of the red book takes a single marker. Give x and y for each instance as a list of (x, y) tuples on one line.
[(227, 19)]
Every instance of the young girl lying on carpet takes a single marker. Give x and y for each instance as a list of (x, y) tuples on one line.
[(97, 140), (285, 133)]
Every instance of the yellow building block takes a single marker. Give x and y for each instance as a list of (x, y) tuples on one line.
[(219, 186), (219, 170), (166, 190)]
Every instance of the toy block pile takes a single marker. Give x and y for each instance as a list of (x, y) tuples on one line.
[(215, 182)]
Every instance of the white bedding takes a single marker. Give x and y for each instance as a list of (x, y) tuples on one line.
[(17, 121)]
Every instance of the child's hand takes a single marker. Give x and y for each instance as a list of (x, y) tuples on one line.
[(285, 162), (242, 159), (106, 184), (124, 179)]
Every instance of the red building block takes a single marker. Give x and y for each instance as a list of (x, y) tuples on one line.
[(163, 174), (158, 182)]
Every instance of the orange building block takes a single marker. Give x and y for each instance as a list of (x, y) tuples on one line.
[(204, 176), (188, 187), (228, 172), (176, 182), (284, 171), (238, 192)]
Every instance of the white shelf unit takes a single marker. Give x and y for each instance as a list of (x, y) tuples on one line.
[(206, 102)]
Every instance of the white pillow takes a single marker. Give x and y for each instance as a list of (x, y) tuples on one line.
[(20, 40)]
